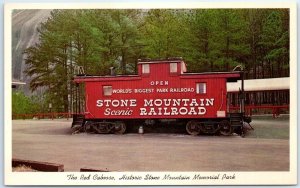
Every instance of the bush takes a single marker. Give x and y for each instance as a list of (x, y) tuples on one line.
[(22, 104)]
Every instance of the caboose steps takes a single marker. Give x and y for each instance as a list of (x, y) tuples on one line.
[(78, 120), (236, 119)]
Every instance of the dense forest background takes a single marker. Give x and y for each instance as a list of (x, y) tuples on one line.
[(207, 39)]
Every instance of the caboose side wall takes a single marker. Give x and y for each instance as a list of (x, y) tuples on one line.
[(157, 95)]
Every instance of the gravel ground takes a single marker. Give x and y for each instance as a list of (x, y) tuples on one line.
[(264, 149)]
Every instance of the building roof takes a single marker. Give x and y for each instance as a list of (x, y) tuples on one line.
[(267, 84), (16, 82)]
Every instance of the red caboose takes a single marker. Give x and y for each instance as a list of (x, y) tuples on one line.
[(161, 90)]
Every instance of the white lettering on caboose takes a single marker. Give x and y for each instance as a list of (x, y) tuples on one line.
[(175, 107), (159, 83), (172, 111), (153, 107), (178, 102), (116, 103)]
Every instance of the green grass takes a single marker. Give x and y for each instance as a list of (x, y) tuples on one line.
[(278, 128)]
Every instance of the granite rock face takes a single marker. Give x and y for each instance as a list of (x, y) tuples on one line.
[(24, 34)]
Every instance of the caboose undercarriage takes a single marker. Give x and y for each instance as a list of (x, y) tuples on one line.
[(235, 123)]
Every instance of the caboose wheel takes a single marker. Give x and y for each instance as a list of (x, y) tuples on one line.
[(225, 128), (120, 128), (101, 127), (88, 127), (193, 128)]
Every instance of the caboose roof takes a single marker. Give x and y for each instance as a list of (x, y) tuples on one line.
[(212, 73), (170, 60), (106, 78), (232, 76)]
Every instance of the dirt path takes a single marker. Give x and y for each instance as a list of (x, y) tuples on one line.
[(51, 141)]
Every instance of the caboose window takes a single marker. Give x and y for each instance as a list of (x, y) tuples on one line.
[(173, 67), (107, 90), (145, 69), (201, 88)]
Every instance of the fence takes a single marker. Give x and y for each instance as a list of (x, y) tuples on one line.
[(275, 110), (52, 115)]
